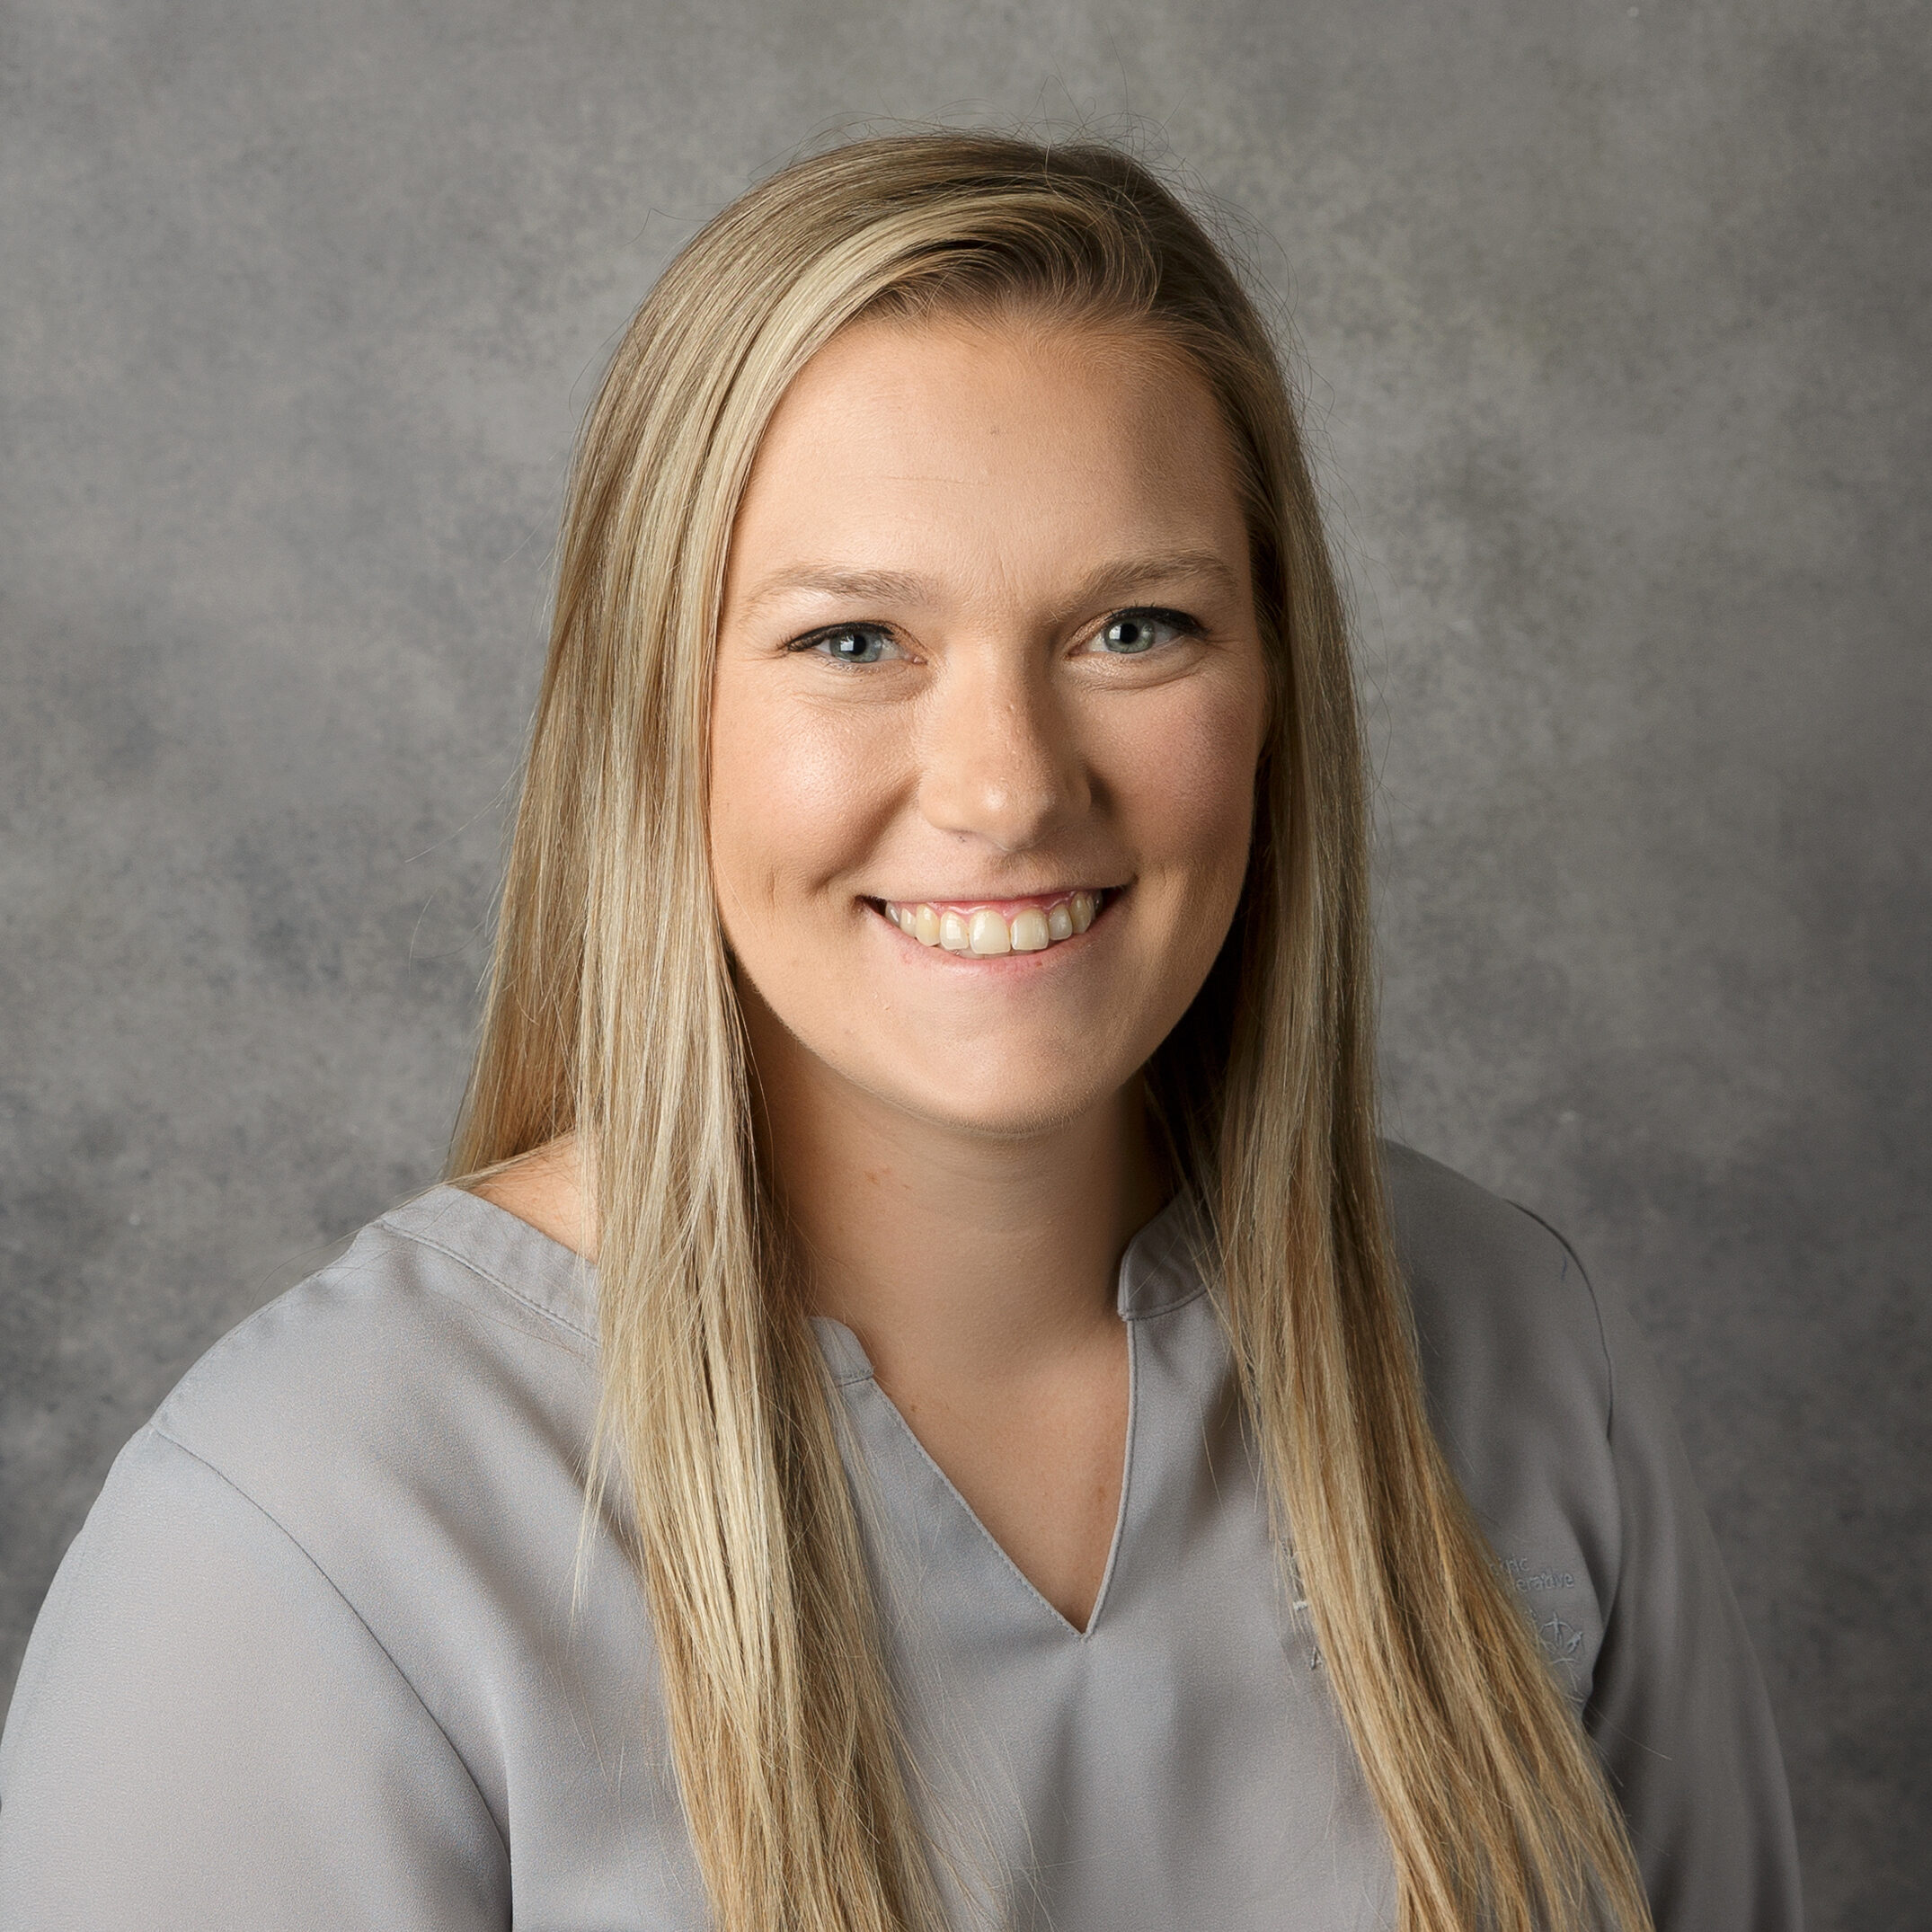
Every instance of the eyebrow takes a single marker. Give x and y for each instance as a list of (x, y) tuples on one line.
[(1107, 584)]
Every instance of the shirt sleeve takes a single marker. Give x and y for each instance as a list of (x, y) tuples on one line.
[(206, 1736), (1678, 1709)]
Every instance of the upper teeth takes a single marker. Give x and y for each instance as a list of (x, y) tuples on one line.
[(984, 932)]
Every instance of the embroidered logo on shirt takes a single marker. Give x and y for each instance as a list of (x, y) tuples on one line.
[(1560, 1641), (1520, 1572)]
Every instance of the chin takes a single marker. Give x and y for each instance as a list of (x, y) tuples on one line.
[(1013, 1099)]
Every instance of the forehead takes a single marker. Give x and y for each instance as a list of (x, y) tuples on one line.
[(1009, 449)]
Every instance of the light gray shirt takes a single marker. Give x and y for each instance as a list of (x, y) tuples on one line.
[(313, 1663)]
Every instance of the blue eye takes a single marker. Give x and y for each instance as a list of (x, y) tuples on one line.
[(850, 644), (1133, 632)]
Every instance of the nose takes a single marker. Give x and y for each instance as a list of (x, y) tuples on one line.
[(998, 760)]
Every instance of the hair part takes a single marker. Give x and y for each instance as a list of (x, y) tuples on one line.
[(610, 1015)]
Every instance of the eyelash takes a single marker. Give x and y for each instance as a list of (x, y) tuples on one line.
[(815, 638), (1177, 620)]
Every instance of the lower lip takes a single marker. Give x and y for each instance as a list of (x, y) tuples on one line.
[(1007, 962)]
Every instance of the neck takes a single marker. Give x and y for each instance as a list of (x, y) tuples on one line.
[(964, 1257)]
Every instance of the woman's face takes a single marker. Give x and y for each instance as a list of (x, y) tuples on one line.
[(988, 702)]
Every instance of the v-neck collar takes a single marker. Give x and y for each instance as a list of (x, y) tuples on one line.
[(1158, 1273)]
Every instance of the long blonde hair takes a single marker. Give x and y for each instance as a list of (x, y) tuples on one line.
[(611, 1015)]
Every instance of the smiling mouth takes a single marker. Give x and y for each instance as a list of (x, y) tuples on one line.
[(1008, 925)]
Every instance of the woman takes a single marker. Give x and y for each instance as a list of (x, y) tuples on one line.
[(1042, 1459)]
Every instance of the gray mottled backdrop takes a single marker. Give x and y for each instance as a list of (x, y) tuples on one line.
[(1616, 325)]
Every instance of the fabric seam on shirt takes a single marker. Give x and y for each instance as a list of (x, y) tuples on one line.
[(1596, 1310), (1610, 1383), (296, 1543), (1166, 1308), (1174, 1245), (1117, 1544), (483, 1274)]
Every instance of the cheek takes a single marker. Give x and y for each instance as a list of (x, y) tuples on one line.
[(793, 790), (1183, 779)]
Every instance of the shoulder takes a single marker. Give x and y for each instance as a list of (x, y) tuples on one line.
[(375, 1480), (1501, 1306), (444, 1307), (1510, 1342), (419, 1410), (311, 1600)]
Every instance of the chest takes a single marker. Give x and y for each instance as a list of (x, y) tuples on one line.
[(1176, 1762)]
